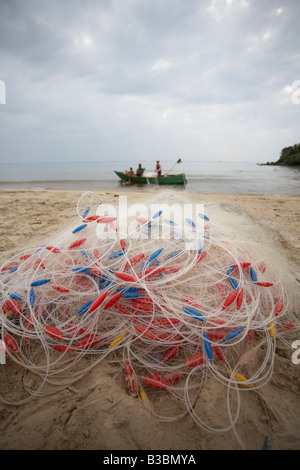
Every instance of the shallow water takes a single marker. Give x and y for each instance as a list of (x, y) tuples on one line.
[(202, 176)]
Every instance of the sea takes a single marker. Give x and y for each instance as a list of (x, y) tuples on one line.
[(223, 177)]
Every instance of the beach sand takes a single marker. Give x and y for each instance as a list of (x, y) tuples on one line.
[(97, 412)]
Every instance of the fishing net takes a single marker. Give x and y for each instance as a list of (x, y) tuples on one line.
[(163, 295)]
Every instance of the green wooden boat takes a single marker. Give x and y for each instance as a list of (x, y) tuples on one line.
[(164, 179)]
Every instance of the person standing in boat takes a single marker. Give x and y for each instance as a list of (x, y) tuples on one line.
[(158, 168), (140, 170)]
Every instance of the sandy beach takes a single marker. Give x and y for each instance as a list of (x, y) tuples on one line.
[(97, 412)]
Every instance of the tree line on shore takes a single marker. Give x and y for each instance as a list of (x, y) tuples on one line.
[(289, 156)]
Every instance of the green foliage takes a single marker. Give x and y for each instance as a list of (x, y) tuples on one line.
[(290, 156)]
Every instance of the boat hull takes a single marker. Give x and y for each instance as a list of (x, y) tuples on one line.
[(162, 180)]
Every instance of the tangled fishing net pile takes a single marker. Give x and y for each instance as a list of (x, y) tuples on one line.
[(167, 316)]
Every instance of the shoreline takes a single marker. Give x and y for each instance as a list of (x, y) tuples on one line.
[(152, 189), (143, 189), (296, 165)]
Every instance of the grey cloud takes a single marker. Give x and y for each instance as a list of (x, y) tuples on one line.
[(78, 68)]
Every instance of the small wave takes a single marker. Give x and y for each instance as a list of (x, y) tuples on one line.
[(61, 181)]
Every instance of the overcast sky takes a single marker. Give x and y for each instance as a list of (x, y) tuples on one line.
[(146, 79)]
